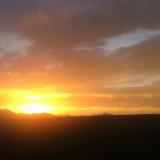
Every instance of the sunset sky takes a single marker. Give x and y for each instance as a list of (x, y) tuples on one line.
[(80, 57)]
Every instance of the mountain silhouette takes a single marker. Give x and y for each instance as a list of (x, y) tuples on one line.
[(5, 113)]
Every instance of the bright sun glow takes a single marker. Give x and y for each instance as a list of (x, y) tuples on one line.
[(35, 108)]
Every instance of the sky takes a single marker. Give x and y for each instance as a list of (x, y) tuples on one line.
[(98, 56)]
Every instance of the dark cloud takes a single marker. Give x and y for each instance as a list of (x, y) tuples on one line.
[(67, 23)]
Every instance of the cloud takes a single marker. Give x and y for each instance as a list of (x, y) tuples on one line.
[(11, 43), (53, 66), (69, 23), (133, 80), (130, 39)]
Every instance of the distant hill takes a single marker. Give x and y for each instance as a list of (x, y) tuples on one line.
[(4, 113)]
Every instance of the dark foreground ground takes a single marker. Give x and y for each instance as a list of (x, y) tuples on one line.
[(100, 137)]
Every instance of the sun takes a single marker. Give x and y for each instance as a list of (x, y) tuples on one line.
[(35, 108)]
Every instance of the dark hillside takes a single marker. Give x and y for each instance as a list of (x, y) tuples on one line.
[(31, 137)]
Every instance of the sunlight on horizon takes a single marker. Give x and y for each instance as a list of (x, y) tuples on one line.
[(35, 108), (58, 103), (33, 101)]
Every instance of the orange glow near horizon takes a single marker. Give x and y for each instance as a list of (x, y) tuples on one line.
[(47, 100), (33, 101)]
